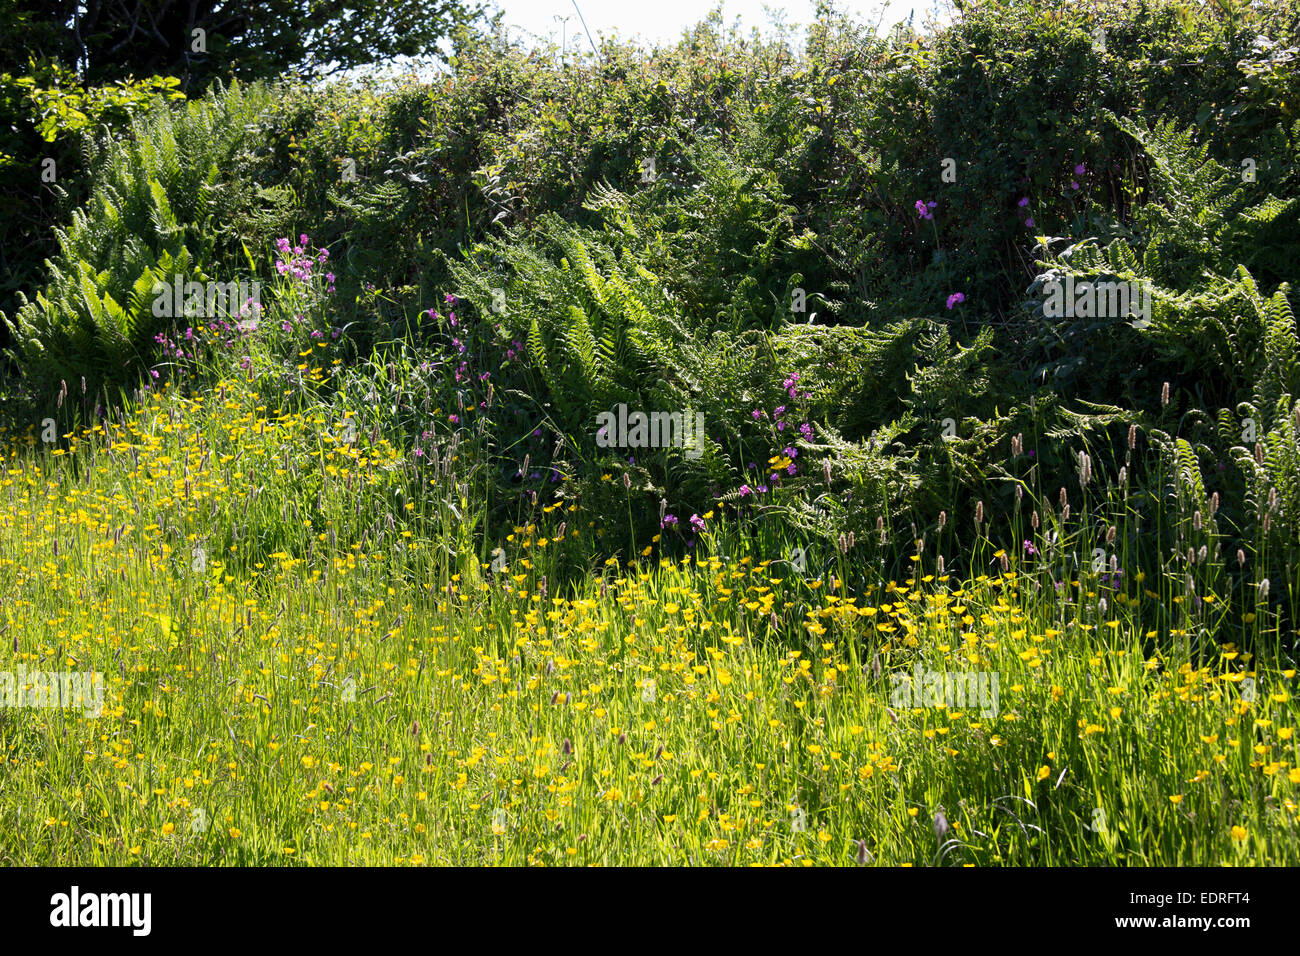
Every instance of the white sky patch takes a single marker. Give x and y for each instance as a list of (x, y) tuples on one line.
[(662, 22)]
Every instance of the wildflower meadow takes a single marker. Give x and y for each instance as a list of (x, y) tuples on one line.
[(864, 448)]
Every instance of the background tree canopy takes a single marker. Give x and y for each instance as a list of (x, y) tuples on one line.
[(107, 41)]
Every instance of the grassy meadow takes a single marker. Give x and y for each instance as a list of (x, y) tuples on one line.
[(281, 688)]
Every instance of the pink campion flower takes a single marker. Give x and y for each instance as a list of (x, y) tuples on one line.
[(697, 523), (745, 490), (779, 411), (955, 298), (454, 419), (757, 414), (925, 209), (450, 299), (806, 431)]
